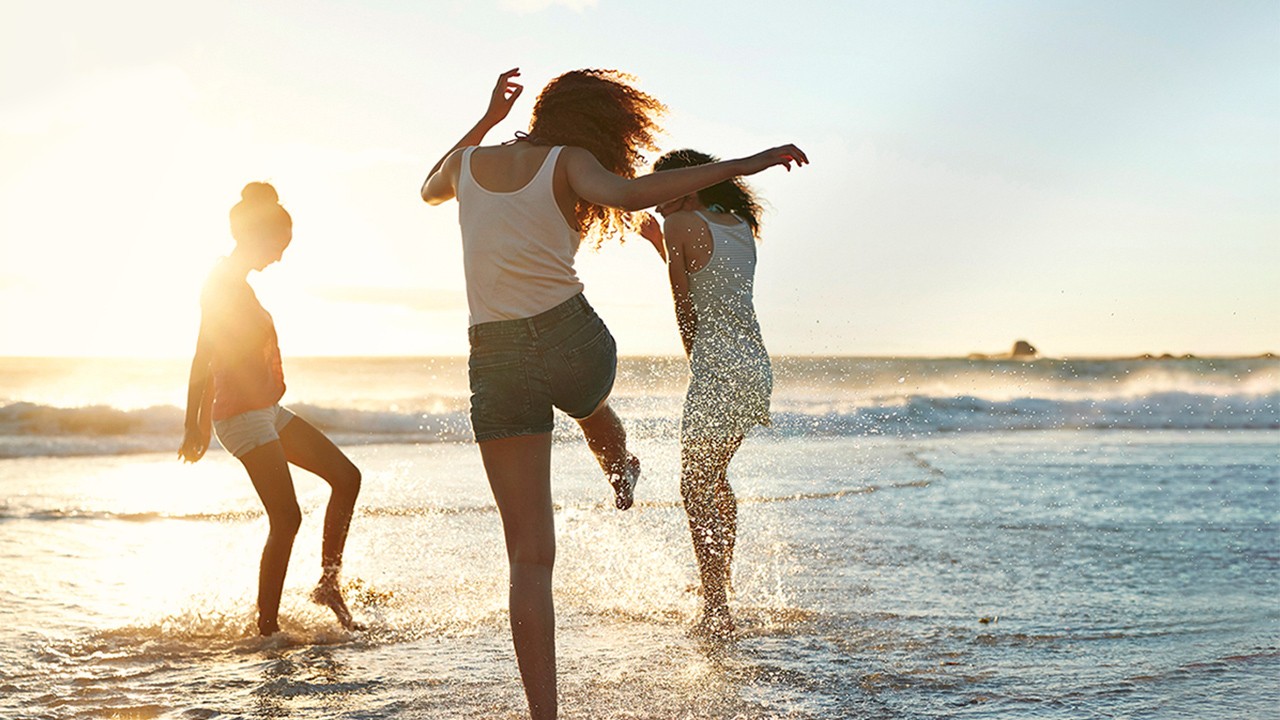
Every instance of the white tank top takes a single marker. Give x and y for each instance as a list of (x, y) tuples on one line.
[(728, 333), (517, 249)]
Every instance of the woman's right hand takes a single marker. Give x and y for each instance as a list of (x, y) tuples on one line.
[(782, 155), (194, 443), (503, 97), (650, 229)]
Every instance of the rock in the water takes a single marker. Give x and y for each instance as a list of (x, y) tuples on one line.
[(1023, 350)]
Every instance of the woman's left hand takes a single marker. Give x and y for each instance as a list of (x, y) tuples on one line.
[(782, 155), (505, 93)]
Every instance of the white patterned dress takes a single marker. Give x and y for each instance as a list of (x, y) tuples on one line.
[(731, 376)]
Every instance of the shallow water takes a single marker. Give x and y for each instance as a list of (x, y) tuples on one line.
[(1048, 573)]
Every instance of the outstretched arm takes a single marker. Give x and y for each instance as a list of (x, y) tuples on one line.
[(593, 183), (441, 182), (199, 423)]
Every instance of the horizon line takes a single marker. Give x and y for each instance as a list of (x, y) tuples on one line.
[(665, 356)]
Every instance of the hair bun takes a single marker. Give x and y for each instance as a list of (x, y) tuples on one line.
[(259, 193)]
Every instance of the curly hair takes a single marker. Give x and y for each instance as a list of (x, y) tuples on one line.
[(734, 195), (602, 112)]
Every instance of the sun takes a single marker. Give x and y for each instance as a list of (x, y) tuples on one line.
[(118, 210)]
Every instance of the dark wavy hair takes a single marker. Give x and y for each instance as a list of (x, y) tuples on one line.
[(258, 216), (734, 195), (603, 112)]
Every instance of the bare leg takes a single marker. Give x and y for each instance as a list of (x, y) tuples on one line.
[(309, 449), (608, 441), (713, 520), (727, 505), (269, 472), (519, 470), (606, 437)]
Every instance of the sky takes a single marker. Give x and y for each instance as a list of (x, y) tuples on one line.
[(1098, 178)]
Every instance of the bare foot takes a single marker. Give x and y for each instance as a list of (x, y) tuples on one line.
[(714, 624), (624, 482), (268, 628), (328, 594)]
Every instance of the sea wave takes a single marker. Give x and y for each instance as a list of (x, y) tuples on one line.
[(927, 414), (30, 429)]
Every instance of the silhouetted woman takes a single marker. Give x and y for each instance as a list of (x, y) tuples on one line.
[(236, 385), (524, 207), (710, 245)]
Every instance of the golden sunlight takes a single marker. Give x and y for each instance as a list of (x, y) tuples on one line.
[(114, 266)]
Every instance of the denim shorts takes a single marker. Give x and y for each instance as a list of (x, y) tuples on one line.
[(520, 369), (252, 429)]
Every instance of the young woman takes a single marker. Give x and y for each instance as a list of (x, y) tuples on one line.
[(236, 385), (709, 239), (524, 207)]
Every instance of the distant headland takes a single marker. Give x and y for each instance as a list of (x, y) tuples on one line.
[(1024, 350)]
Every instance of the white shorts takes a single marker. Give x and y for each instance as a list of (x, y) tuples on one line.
[(251, 429)]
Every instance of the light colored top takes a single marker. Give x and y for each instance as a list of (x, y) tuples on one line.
[(731, 375), (721, 292), (517, 249), (247, 373)]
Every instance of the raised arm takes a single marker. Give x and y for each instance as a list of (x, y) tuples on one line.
[(199, 423), (593, 183), (441, 183)]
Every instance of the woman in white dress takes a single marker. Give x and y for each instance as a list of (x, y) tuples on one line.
[(709, 239)]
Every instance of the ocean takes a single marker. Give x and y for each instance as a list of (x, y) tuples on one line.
[(919, 538)]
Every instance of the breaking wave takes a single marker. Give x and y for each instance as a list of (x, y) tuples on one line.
[(28, 429)]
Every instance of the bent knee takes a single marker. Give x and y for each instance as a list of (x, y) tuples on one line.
[(344, 480), (285, 522), (349, 481), (697, 487)]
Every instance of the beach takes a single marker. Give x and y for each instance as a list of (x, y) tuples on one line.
[(919, 538)]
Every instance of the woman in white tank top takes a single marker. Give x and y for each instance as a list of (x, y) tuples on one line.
[(710, 246), (535, 342)]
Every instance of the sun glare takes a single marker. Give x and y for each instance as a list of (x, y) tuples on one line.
[(113, 266)]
